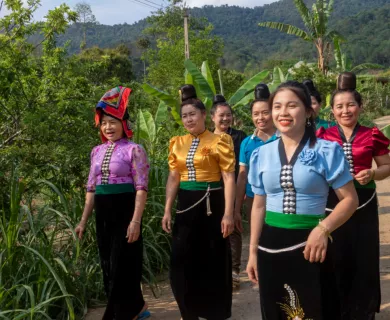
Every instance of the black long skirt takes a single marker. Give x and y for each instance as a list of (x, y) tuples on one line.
[(121, 262), (356, 251), (201, 266), (290, 286)]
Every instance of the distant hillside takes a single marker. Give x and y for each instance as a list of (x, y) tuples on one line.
[(365, 24)]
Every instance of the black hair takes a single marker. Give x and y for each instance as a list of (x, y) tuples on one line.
[(262, 94), (346, 82), (309, 84), (301, 91), (188, 97), (219, 100)]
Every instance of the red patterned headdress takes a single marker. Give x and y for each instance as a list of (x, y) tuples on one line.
[(114, 103)]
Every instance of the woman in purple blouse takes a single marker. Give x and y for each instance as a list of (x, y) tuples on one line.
[(117, 189)]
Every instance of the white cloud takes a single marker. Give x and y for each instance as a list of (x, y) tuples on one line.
[(129, 11)]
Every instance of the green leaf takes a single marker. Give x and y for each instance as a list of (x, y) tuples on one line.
[(220, 81), (167, 98), (207, 75), (188, 78), (161, 113), (147, 126), (287, 28), (248, 87), (366, 66), (201, 85), (58, 280)]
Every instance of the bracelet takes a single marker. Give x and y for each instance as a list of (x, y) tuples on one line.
[(326, 231), (135, 221)]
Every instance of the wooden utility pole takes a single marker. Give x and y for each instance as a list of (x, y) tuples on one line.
[(186, 43)]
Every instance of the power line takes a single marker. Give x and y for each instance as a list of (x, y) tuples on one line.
[(145, 4), (157, 4)]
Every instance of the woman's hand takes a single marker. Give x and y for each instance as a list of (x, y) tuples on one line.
[(251, 269), (364, 176), (317, 243), (80, 229), (227, 225), (166, 222), (238, 221), (133, 231)]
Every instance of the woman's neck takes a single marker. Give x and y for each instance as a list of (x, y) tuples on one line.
[(196, 134), (291, 141), (219, 131), (265, 134), (348, 130)]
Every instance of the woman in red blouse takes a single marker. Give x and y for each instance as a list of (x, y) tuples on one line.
[(356, 243)]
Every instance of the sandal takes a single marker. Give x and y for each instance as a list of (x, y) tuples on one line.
[(144, 315)]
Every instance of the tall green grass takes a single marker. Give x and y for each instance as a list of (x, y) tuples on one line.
[(45, 272)]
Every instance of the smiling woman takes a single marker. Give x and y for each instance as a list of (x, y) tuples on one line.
[(290, 179), (356, 245), (201, 269), (117, 188)]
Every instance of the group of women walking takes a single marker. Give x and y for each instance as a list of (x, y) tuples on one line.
[(306, 185)]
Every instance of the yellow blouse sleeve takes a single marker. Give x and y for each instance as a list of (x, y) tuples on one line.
[(225, 150), (172, 159)]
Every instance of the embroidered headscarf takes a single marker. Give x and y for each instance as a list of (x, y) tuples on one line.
[(114, 103)]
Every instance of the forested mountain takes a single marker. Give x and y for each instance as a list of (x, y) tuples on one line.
[(365, 25)]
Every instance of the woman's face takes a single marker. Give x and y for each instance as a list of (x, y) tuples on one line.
[(111, 128), (193, 119), (345, 109), (289, 113), (222, 118), (261, 116), (315, 105)]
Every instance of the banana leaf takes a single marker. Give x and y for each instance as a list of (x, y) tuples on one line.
[(386, 131), (201, 85), (169, 100), (207, 75), (248, 87)]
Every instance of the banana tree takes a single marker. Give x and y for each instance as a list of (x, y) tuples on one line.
[(317, 29), (149, 127), (345, 64), (205, 88)]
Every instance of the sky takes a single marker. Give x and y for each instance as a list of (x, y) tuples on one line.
[(129, 11)]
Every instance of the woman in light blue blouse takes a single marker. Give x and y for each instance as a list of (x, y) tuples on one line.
[(290, 178), (265, 132)]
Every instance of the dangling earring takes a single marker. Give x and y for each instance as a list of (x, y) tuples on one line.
[(308, 122)]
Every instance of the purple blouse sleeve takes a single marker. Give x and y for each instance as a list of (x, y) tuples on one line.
[(140, 168), (91, 184)]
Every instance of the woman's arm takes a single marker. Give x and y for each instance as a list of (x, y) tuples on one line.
[(257, 222), (134, 229), (88, 208), (240, 189), (240, 194), (317, 243), (381, 172), (227, 224), (172, 187)]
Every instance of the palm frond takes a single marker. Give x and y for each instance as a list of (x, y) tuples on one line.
[(287, 28), (305, 14)]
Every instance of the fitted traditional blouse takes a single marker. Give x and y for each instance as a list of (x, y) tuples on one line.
[(118, 162), (249, 144), (364, 144), (201, 158), (301, 188)]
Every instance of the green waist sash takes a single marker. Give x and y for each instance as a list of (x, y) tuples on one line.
[(199, 185), (370, 185), (292, 221), (114, 188)]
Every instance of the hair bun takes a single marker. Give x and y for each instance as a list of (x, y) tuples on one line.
[(187, 92), (262, 92), (346, 81), (309, 84), (218, 98)]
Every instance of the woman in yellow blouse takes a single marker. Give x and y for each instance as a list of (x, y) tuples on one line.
[(201, 270)]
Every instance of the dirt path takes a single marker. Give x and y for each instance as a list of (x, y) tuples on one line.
[(246, 300)]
